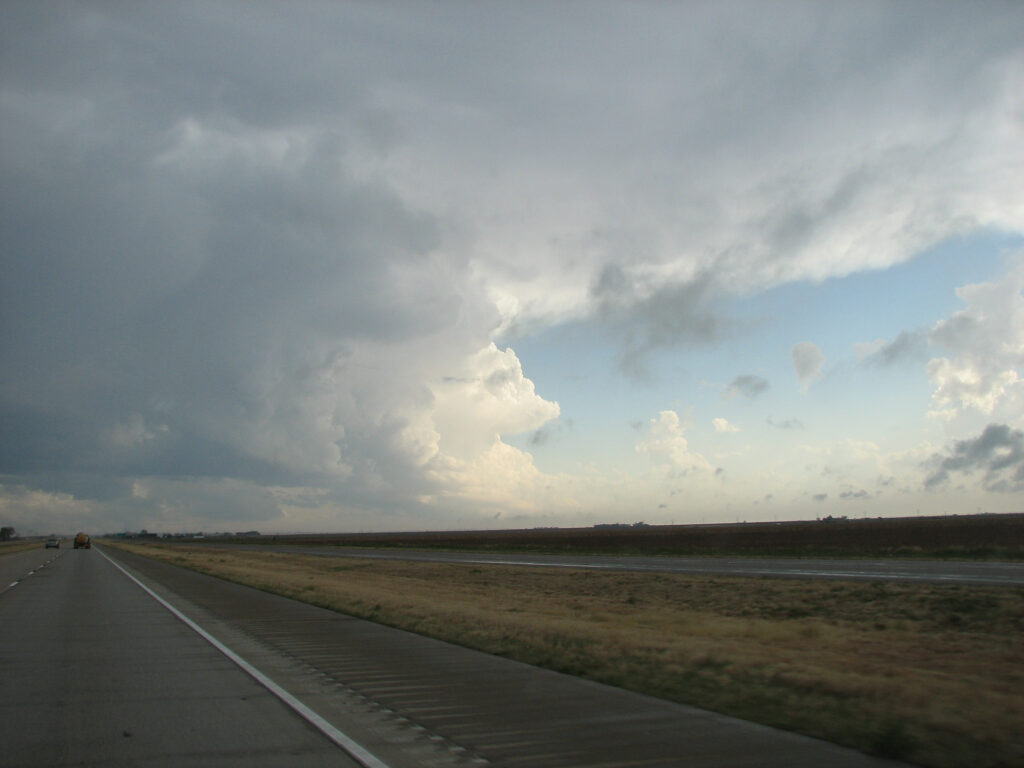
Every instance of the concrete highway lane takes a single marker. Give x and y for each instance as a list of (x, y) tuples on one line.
[(95, 672), (16, 566), (934, 571)]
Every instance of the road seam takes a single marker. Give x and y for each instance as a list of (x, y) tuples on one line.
[(355, 750)]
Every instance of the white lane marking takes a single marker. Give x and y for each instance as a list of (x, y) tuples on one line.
[(361, 755), (18, 581)]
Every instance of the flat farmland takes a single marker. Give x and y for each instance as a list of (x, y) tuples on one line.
[(999, 537), (930, 673)]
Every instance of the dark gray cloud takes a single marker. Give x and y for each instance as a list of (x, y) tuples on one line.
[(791, 423), (747, 385), (60, 450), (908, 346), (280, 277), (551, 431), (998, 453), (856, 495), (807, 362), (672, 315), (196, 277)]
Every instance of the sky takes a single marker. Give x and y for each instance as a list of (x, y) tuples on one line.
[(404, 266)]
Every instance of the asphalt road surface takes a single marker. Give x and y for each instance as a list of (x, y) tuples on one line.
[(97, 672), (934, 571)]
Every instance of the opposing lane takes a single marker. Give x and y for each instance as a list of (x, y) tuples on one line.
[(95, 672), (934, 571)]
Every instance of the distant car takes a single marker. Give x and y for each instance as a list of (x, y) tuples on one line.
[(55, 543)]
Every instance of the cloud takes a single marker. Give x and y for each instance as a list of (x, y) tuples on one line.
[(649, 318), (791, 423), (153, 503), (747, 385), (907, 346), (986, 345), (226, 268), (540, 437), (488, 397), (852, 495), (807, 361), (501, 478), (723, 425), (998, 452), (665, 443), (806, 217), (851, 467), (546, 433)]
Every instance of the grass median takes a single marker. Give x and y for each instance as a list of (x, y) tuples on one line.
[(932, 674), (19, 545)]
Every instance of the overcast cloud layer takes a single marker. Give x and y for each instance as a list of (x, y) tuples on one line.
[(266, 264)]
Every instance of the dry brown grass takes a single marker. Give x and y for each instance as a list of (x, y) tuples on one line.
[(21, 545), (929, 673)]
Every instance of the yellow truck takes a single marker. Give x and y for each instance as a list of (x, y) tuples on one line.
[(82, 541)]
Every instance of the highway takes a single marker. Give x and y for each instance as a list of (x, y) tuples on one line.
[(20, 565), (98, 671), (933, 571)]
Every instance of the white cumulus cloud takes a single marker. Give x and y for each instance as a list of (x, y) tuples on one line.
[(985, 346), (487, 397), (665, 443)]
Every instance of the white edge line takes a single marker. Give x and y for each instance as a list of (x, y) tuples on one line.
[(354, 749)]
